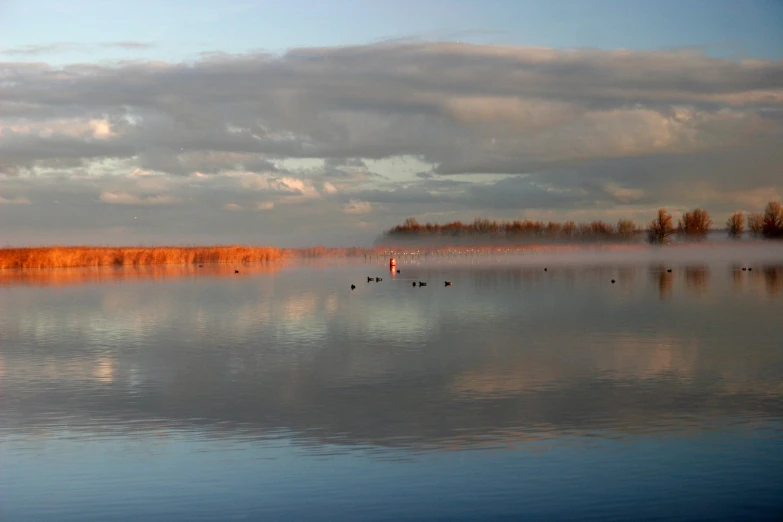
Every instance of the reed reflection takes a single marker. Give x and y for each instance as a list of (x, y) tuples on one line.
[(121, 274)]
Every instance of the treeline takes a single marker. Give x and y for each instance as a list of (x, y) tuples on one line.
[(695, 225), (624, 230)]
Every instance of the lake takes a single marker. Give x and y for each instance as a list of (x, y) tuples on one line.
[(187, 393)]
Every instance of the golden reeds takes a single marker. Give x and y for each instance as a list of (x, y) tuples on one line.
[(76, 256)]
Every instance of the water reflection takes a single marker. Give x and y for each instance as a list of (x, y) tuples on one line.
[(737, 277), (285, 395), (505, 355), (773, 279), (121, 274), (697, 278), (664, 280)]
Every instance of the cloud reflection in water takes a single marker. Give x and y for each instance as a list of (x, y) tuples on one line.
[(506, 355)]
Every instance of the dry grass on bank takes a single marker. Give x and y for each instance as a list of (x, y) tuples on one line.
[(77, 256)]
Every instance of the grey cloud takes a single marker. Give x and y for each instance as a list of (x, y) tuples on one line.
[(400, 195), (130, 45), (522, 192), (206, 161), (61, 47), (425, 191), (344, 162), (346, 170), (34, 50), (24, 150), (69, 209), (588, 128)]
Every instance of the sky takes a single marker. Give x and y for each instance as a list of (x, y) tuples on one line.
[(299, 123)]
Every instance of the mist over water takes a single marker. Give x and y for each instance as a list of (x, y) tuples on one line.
[(516, 393)]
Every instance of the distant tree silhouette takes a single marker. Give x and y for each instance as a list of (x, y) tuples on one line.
[(626, 229), (736, 224), (755, 224), (694, 225), (660, 229), (553, 229), (772, 221), (569, 227), (411, 223), (517, 229)]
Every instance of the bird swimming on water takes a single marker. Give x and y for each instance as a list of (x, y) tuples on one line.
[(446, 283), (236, 271), (612, 281), (422, 284), (378, 279), (353, 287), (414, 283), (369, 279)]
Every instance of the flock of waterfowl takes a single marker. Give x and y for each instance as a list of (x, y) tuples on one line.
[(449, 283), (423, 283), (414, 283)]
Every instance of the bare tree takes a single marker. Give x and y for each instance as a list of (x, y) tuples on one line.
[(569, 227), (772, 221), (411, 222), (626, 229), (695, 225), (736, 224), (755, 224), (661, 228)]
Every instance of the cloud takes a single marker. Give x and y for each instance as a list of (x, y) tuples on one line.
[(124, 198), (130, 45), (74, 128), (457, 105), (265, 205), (318, 132), (34, 50), (624, 195), (357, 207), (342, 169), (233, 207), (14, 201), (63, 47)]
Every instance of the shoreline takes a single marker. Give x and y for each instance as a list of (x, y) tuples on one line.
[(48, 257)]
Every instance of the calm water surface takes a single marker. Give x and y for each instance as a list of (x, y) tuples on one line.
[(278, 393)]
